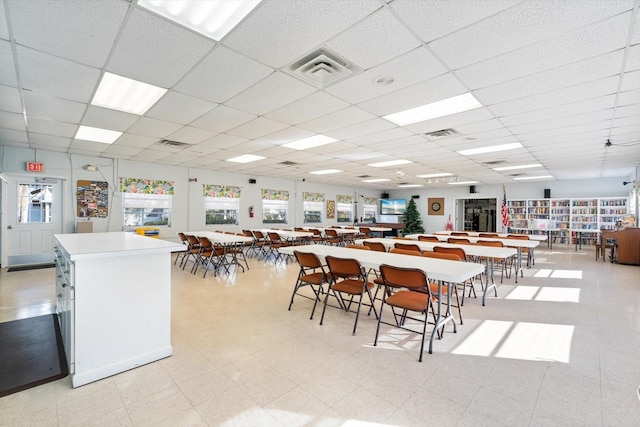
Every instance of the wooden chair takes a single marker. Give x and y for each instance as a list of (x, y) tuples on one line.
[(349, 278), (428, 239), (412, 294)]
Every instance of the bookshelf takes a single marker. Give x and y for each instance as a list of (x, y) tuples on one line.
[(573, 218)]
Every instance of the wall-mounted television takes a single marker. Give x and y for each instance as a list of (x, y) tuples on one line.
[(393, 206)]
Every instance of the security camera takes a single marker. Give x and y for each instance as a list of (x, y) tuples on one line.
[(304, 179)]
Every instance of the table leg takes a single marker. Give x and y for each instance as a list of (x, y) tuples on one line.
[(439, 320), (519, 264), (490, 265)]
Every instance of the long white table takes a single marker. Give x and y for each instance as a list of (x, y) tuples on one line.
[(516, 243), (436, 269), (539, 237), (490, 253)]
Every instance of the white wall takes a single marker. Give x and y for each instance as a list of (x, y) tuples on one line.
[(188, 208)]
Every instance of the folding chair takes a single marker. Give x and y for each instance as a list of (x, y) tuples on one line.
[(312, 274)]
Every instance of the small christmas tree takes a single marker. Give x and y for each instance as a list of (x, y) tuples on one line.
[(412, 221)]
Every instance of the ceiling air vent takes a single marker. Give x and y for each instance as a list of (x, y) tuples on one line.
[(169, 143), (364, 176), (494, 162), (516, 174), (288, 163), (322, 68), (442, 133)]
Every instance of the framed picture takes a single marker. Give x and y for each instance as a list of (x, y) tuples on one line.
[(331, 209), (436, 205)]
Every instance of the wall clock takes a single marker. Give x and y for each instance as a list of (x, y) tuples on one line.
[(435, 206)]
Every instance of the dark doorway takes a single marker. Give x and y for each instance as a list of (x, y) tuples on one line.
[(480, 215)]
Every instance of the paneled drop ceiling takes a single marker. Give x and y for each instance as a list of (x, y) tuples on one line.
[(560, 77)]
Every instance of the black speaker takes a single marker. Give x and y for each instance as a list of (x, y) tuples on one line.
[(547, 193), (384, 196), (415, 196), (252, 181), (472, 189)]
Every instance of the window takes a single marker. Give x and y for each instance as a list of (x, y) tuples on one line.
[(221, 210), (34, 203), (312, 212), (146, 209), (369, 211), (344, 212), (274, 211), (275, 205)]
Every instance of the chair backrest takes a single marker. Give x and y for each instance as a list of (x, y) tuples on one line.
[(248, 233), (330, 232), (365, 230), (308, 259), (193, 240), (493, 235), (205, 243), (458, 241), (344, 267), (458, 251), (441, 255), (352, 246), (315, 231), (428, 239), (518, 236), (183, 238), (298, 229), (375, 246), (274, 237), (495, 243), (259, 235), (407, 246), (410, 278), (404, 252), (459, 233)]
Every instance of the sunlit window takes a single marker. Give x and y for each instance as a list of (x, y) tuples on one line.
[(34, 203), (146, 209), (344, 212), (274, 211), (313, 212), (221, 210)]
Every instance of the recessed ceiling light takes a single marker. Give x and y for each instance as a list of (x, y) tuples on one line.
[(435, 175), (524, 178), (409, 185), (212, 18), (490, 149), (312, 141), (462, 182), (442, 108), (246, 158), (383, 81), (376, 180), (390, 163), (124, 94), (105, 136), (325, 172), (509, 168)]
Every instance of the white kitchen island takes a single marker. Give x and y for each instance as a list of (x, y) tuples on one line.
[(114, 301)]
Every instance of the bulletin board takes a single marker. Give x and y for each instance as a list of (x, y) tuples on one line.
[(93, 199)]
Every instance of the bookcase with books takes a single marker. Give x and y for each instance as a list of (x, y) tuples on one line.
[(572, 220)]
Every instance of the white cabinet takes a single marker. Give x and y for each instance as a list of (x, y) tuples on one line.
[(114, 302)]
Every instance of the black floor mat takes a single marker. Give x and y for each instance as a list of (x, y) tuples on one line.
[(31, 353)]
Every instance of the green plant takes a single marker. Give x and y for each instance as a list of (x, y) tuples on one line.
[(412, 221)]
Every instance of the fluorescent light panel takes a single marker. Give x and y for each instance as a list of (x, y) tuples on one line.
[(409, 185), (525, 178), (390, 163), (490, 149), (246, 158), (124, 94), (510, 168), (376, 180), (434, 110), (462, 182), (312, 141), (435, 175), (105, 136), (326, 172), (212, 18)]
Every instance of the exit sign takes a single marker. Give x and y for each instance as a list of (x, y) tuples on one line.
[(35, 167)]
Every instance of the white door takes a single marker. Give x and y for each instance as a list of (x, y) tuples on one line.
[(33, 215)]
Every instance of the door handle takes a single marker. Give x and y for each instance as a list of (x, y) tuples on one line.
[(10, 227)]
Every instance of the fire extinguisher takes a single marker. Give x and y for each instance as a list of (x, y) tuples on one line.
[(250, 211)]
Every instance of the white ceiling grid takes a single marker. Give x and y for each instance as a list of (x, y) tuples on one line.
[(559, 76)]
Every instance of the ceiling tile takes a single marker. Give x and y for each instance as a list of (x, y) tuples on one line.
[(257, 128), (223, 141), (179, 108), (361, 129), (222, 118), (13, 135), (106, 118), (8, 69), (49, 141), (142, 51), (13, 121), (10, 99), (191, 135), (122, 150), (337, 120), (151, 127), (51, 127), (138, 141), (49, 107), (62, 28)]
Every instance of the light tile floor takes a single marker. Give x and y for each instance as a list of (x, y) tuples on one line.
[(560, 348)]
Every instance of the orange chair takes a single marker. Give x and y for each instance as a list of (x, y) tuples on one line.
[(312, 274), (458, 241), (332, 237), (404, 252), (412, 293), (459, 233), (445, 288), (193, 249), (182, 254), (491, 235), (375, 246), (407, 246), (354, 246), (349, 278), (530, 259), (503, 262), (463, 256), (276, 242), (428, 239)]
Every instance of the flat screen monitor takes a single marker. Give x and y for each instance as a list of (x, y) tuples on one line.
[(393, 206)]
